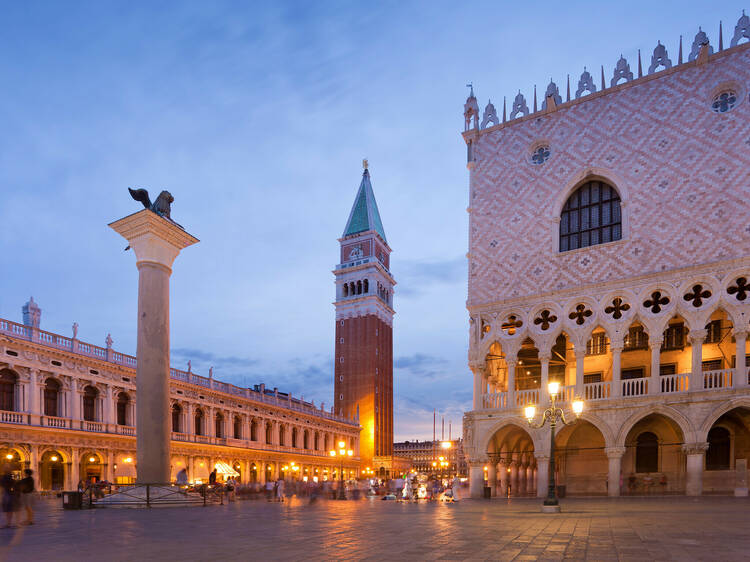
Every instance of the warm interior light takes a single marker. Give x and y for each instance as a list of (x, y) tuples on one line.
[(130, 459), (92, 459), (9, 456), (554, 388), (485, 468), (350, 452), (53, 459), (333, 453), (126, 460), (578, 406), (342, 445), (530, 412), (446, 444)]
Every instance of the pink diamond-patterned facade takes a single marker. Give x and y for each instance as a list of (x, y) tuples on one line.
[(682, 171)]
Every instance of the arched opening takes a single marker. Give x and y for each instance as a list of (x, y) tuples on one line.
[(359, 287), (237, 430), (282, 436), (219, 425), (346, 290), (201, 471), (198, 422), (11, 459), (269, 433), (728, 450), (8, 380), (90, 468), (124, 469), (177, 418), (719, 350), (719, 449), (590, 216), (253, 429), (326, 443), (51, 397), (366, 286), (653, 460), (294, 437), (647, 452), (52, 471), (306, 440), (123, 405), (253, 473), (90, 394), (635, 361), (317, 441), (580, 461), (511, 469)]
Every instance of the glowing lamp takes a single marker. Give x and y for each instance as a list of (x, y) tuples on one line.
[(350, 452), (333, 453), (92, 459), (530, 412), (342, 445), (554, 388), (9, 456), (130, 459), (446, 444), (53, 459), (577, 407)]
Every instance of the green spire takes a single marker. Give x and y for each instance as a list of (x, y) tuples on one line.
[(365, 215)]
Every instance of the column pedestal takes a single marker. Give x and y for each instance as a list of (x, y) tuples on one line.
[(492, 478), (694, 453), (476, 480), (542, 475), (156, 242), (614, 454)]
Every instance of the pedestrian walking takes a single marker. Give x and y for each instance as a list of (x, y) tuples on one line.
[(212, 478), (280, 490), (9, 497), (231, 486), (26, 495)]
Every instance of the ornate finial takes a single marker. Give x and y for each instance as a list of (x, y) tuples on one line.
[(640, 66), (679, 56), (535, 98), (721, 37), (568, 92), (365, 164), (504, 112)]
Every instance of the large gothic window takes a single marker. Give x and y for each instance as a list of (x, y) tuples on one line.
[(591, 216), (8, 390), (51, 396)]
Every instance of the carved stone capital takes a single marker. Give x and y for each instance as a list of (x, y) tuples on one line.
[(697, 336), (694, 448), (614, 452)]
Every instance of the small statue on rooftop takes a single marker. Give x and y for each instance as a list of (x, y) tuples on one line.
[(75, 330)]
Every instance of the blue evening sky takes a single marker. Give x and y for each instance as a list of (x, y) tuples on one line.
[(256, 117)]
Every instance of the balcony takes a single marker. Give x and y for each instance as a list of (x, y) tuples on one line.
[(598, 392)]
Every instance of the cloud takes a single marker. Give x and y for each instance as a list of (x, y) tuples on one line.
[(415, 275), (421, 365), (201, 356)]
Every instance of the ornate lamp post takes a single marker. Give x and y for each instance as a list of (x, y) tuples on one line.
[(341, 454), (553, 415)]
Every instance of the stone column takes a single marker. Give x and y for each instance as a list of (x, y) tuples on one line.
[(34, 465), (261, 468), (544, 358), (191, 469), (476, 479), (75, 404), (75, 469), (107, 409), (189, 421), (513, 478), (614, 455), (477, 404), (529, 477), (33, 408), (654, 385), (511, 362), (694, 453), (110, 472), (740, 371), (580, 353), (492, 477), (696, 347), (542, 474), (502, 473), (616, 349), (156, 242)]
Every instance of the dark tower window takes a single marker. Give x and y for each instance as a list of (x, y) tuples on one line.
[(717, 456), (176, 415), (123, 400), (89, 403), (647, 453), (591, 216), (8, 390)]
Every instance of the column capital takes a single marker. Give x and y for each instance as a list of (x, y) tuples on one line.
[(511, 361), (616, 346), (739, 333), (694, 448), (614, 452), (697, 336), (655, 340), (545, 355), (541, 457)]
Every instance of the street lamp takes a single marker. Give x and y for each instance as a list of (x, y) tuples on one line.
[(553, 414), (341, 453)]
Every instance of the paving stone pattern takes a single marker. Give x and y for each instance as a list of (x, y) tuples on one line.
[(704, 528)]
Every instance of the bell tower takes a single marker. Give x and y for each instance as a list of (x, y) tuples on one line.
[(364, 326)]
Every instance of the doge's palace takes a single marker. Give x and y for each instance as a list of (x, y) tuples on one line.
[(609, 250)]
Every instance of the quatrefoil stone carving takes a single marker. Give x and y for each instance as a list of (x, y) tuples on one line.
[(697, 295), (656, 302), (740, 289), (511, 325), (580, 314), (617, 307), (545, 319)]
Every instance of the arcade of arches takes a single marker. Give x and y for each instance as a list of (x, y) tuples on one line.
[(651, 456)]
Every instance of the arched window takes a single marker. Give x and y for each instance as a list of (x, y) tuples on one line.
[(176, 418), (219, 424), (719, 447), (123, 401), (269, 433), (317, 441), (51, 397), (366, 286), (359, 287), (326, 446), (352, 291), (199, 422), (647, 453), (8, 390), (294, 437), (346, 290), (306, 440), (237, 427), (591, 216), (282, 430), (89, 403), (253, 430)]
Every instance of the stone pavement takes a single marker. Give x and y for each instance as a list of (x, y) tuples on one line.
[(652, 528)]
